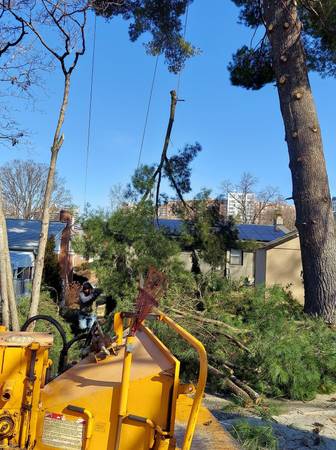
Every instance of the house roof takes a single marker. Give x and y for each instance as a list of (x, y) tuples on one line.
[(21, 259), (172, 226), (261, 233), (246, 232), (25, 234), (281, 240)]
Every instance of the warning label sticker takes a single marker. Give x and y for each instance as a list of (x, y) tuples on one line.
[(62, 431)]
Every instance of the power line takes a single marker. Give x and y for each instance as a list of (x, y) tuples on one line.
[(152, 88), (90, 111), (184, 35), (148, 109)]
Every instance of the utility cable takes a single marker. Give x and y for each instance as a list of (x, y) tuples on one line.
[(148, 109), (184, 35), (90, 111), (152, 88)]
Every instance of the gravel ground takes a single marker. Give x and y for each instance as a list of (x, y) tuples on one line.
[(298, 425)]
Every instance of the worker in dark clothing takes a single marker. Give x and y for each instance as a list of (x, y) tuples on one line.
[(111, 305), (87, 297)]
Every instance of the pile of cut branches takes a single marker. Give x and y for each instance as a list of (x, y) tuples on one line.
[(259, 342)]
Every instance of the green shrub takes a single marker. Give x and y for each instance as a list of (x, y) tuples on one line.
[(254, 437), (51, 277)]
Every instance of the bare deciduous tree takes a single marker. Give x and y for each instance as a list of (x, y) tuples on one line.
[(250, 204), (118, 197), (12, 72), (279, 208), (59, 27), (264, 199), (3, 271), (7, 287), (20, 66), (23, 186)]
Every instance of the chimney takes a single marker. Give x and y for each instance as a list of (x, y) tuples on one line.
[(278, 221), (65, 216)]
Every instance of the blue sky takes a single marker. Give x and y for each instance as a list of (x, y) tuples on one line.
[(239, 130)]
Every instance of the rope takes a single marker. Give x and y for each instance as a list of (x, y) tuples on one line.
[(184, 35), (90, 111), (148, 109)]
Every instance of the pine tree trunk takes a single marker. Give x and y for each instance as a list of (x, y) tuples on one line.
[(57, 144), (311, 195), (7, 288)]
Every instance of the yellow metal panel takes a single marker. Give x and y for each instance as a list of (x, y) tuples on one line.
[(95, 386), (22, 369), (202, 377), (175, 374)]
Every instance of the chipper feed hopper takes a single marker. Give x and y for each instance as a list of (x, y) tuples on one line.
[(126, 394)]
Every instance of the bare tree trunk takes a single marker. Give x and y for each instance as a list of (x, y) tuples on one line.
[(7, 288), (57, 144), (10, 290), (3, 281), (311, 193)]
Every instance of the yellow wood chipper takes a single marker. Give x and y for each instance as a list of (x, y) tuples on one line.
[(125, 395)]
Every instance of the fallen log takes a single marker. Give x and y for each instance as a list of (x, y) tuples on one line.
[(242, 390), (252, 393)]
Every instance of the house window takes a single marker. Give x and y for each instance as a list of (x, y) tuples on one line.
[(236, 257)]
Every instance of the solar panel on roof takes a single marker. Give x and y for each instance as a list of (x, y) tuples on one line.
[(265, 233), (247, 232), (174, 226)]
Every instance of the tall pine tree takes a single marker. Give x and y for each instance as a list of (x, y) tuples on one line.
[(299, 36)]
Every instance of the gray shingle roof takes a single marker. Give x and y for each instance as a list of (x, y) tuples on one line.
[(25, 234)]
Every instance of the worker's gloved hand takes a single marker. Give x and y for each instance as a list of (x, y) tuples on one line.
[(96, 293)]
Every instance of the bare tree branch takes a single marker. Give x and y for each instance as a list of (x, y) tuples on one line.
[(250, 204), (57, 12), (159, 169), (15, 42), (165, 163), (24, 184)]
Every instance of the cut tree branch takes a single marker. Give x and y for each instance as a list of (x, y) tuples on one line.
[(236, 386), (158, 171), (200, 318)]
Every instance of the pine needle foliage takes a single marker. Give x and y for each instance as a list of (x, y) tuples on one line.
[(254, 437), (252, 67), (262, 334), (161, 22), (290, 354), (123, 245)]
